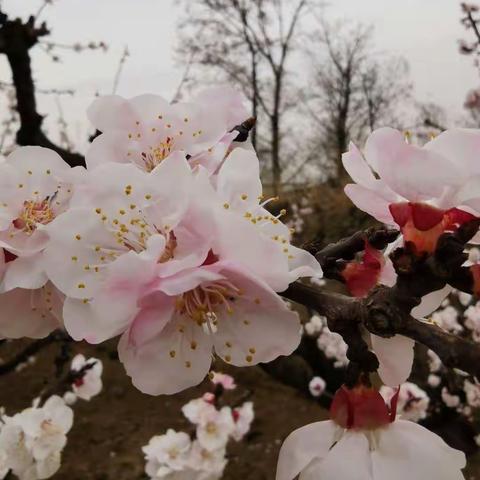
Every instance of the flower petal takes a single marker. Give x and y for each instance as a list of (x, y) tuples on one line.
[(176, 358), (408, 450), (431, 302), (349, 459), (395, 355), (244, 333), (302, 446)]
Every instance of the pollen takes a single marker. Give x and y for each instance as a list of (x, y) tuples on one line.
[(244, 196), (148, 196), (98, 210), (228, 358), (193, 345), (226, 206), (81, 285), (172, 353), (74, 259), (188, 364), (248, 358), (78, 237)]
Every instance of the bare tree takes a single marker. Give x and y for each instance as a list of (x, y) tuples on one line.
[(354, 89), (250, 43)]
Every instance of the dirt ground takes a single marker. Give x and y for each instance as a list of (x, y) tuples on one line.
[(105, 442)]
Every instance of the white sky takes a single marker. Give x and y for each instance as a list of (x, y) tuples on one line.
[(425, 32)]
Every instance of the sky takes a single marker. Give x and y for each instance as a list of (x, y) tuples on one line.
[(425, 32)]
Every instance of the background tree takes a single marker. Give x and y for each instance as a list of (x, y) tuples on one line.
[(250, 43), (353, 90)]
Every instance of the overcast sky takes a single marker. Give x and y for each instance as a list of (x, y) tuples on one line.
[(425, 32)]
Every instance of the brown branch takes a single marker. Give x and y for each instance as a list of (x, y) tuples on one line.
[(16, 40), (26, 353), (386, 310)]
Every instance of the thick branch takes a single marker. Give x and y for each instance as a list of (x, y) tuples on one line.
[(16, 39)]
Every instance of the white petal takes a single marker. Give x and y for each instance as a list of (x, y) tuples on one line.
[(370, 202), (357, 167), (395, 355), (407, 450), (431, 302), (349, 459), (302, 446), (176, 358), (24, 272)]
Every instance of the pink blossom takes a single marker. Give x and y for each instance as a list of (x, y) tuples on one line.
[(317, 386), (145, 130), (226, 381), (243, 417), (424, 191), (219, 307)]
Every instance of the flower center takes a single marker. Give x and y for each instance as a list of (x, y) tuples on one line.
[(34, 213), (203, 302), (211, 428), (157, 154)]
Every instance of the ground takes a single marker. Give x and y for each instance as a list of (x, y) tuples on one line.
[(105, 442)]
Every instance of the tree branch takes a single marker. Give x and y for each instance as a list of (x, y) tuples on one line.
[(16, 39)]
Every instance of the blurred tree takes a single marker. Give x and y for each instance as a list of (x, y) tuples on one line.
[(250, 42), (17, 38), (353, 90)]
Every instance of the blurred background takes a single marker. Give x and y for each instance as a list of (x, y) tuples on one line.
[(316, 75)]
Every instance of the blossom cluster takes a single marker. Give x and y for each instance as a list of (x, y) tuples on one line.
[(202, 455), (164, 240), (31, 441)]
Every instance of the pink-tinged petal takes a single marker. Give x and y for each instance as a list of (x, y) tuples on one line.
[(242, 242), (468, 194), (395, 355), (149, 107), (74, 238), (177, 358), (114, 304), (302, 446), (109, 147), (187, 280), (151, 320), (238, 181), (414, 173), (110, 113), (199, 126), (370, 202), (190, 250), (357, 167), (405, 444), (302, 264), (431, 302), (23, 243), (81, 322), (227, 102), (24, 272), (173, 185), (349, 459), (30, 313), (388, 276), (243, 335), (213, 158), (461, 146)]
